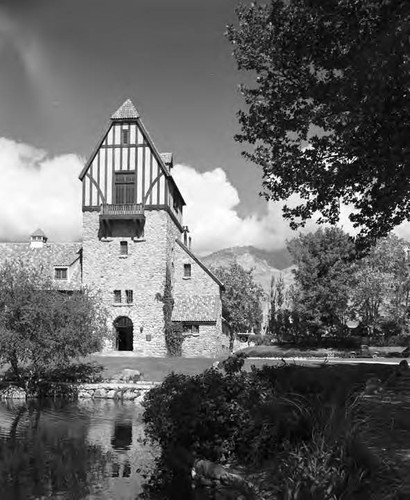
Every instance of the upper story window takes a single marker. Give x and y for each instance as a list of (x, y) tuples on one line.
[(124, 187), (123, 248), (117, 296), (187, 270), (125, 136), (61, 273), (130, 296)]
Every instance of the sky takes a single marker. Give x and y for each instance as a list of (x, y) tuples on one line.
[(67, 65)]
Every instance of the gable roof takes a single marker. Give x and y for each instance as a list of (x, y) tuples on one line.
[(211, 274), (127, 111)]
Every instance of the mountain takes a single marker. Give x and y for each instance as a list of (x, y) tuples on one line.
[(264, 265)]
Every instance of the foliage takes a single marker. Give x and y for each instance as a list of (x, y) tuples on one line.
[(328, 114), (272, 415), (41, 328), (241, 300), (323, 279), (173, 331), (381, 295), (279, 315)]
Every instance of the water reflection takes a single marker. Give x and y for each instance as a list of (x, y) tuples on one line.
[(66, 450)]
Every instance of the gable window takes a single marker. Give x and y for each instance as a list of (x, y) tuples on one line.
[(125, 136), (124, 187), (130, 296), (190, 329), (61, 273), (117, 296), (187, 270), (123, 248)]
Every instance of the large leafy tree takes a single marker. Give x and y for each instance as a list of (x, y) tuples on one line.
[(381, 296), (324, 278), (42, 328), (329, 112), (241, 300)]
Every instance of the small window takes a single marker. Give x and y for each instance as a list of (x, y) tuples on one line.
[(117, 296), (125, 136), (190, 329), (130, 296), (60, 273), (187, 270), (123, 248)]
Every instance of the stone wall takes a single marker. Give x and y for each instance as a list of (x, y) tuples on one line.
[(142, 271)]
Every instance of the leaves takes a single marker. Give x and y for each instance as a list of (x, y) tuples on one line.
[(328, 114)]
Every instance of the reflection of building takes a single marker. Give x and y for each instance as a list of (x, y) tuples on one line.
[(135, 248), (117, 429)]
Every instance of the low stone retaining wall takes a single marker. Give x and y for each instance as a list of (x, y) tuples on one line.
[(122, 391), (119, 391)]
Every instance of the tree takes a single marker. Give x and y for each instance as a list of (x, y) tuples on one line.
[(42, 328), (381, 294), (241, 300), (323, 279), (329, 113)]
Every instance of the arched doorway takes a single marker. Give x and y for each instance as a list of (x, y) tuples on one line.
[(125, 333)]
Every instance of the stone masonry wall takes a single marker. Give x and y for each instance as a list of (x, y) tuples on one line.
[(142, 270), (210, 342)]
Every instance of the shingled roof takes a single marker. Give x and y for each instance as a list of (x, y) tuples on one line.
[(126, 112), (48, 256), (195, 308)]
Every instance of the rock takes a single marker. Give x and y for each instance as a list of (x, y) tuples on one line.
[(128, 375), (111, 394), (100, 393), (373, 386), (129, 395), (403, 366), (13, 392), (83, 394)]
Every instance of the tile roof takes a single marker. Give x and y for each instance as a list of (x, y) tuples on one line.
[(38, 232), (126, 112), (48, 256), (195, 308)]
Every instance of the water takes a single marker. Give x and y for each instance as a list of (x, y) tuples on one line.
[(72, 450)]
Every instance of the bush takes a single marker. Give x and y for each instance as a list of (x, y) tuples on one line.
[(252, 419)]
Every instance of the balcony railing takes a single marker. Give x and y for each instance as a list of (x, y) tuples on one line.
[(123, 211)]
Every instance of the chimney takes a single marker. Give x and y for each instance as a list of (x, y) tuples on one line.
[(189, 243), (185, 232), (38, 239)]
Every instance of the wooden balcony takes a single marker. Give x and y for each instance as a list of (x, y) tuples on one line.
[(123, 211)]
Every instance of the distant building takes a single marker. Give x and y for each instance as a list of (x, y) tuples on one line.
[(133, 244)]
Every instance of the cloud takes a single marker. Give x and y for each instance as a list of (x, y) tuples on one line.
[(38, 191), (212, 216)]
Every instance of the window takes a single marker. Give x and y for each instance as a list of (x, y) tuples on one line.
[(60, 273), (187, 270), (130, 296), (190, 329), (123, 248), (124, 188), (125, 136), (117, 296)]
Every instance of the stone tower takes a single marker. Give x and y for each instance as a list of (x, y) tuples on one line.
[(132, 216)]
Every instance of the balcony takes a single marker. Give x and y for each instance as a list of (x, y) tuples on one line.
[(122, 211)]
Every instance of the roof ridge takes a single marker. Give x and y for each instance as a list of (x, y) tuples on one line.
[(127, 111)]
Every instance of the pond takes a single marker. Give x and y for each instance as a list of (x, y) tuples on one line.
[(91, 449)]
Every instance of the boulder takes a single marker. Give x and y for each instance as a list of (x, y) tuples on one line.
[(373, 386), (128, 375), (111, 394), (100, 393)]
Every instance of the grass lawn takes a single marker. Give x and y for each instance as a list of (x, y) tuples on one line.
[(153, 369)]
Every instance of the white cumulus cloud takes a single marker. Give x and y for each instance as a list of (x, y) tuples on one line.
[(38, 191)]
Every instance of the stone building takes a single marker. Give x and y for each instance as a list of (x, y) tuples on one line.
[(134, 247)]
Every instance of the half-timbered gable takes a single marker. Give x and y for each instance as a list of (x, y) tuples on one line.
[(126, 174)]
